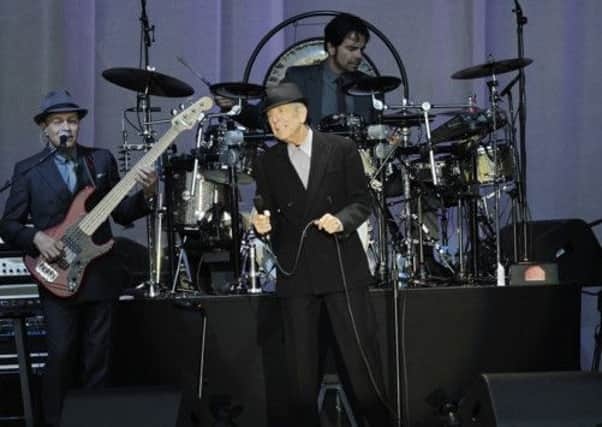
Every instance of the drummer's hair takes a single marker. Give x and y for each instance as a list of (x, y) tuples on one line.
[(341, 26)]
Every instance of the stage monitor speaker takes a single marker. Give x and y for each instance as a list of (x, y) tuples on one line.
[(569, 243), (543, 399), (124, 407)]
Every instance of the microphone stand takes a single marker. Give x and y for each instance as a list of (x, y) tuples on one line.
[(521, 21)]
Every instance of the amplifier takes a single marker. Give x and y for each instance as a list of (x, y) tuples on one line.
[(13, 270)]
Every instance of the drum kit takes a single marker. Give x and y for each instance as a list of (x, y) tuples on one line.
[(426, 165), (418, 183), (452, 170)]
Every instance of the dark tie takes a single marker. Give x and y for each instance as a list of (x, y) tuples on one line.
[(341, 102)]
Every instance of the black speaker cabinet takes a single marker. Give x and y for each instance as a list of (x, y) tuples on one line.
[(569, 243), (543, 399), (127, 407)]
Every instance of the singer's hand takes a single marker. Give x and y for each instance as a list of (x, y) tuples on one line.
[(50, 248), (147, 178), (262, 223), (329, 223)]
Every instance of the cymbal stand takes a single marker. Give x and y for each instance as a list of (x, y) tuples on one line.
[(406, 212), (159, 211), (493, 99), (521, 21), (383, 157)]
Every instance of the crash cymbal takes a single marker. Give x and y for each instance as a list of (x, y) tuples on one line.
[(368, 85), (238, 90), (144, 81), (489, 68)]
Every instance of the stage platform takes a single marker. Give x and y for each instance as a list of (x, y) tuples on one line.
[(449, 336)]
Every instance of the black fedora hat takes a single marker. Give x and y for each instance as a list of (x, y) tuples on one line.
[(58, 101), (283, 93)]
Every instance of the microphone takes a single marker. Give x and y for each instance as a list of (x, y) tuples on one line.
[(260, 206), (63, 140)]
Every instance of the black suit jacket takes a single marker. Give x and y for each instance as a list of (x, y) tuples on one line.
[(309, 80), (41, 198), (337, 185)]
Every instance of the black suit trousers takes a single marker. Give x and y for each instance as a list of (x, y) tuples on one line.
[(78, 339), (301, 318)]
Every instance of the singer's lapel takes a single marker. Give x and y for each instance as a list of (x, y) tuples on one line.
[(320, 155)]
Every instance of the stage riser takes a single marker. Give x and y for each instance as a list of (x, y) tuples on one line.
[(451, 335)]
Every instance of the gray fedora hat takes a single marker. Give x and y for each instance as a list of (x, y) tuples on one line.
[(58, 101), (283, 93)]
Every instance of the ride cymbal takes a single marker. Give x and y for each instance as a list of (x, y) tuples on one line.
[(490, 68), (238, 90), (150, 82)]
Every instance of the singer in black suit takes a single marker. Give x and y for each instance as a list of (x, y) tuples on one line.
[(315, 182), (44, 185)]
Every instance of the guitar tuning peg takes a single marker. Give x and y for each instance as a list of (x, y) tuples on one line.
[(174, 112), (182, 107)]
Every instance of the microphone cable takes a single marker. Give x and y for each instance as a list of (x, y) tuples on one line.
[(361, 349), (298, 255)]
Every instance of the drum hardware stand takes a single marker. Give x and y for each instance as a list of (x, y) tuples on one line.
[(521, 21), (231, 157), (460, 233), (519, 212), (493, 98), (382, 271), (182, 262), (421, 267), (249, 253)]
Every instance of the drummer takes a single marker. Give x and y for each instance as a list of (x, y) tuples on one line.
[(345, 38)]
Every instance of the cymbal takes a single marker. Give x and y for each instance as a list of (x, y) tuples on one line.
[(489, 68), (465, 124), (405, 119), (223, 177), (238, 90), (143, 81), (367, 85)]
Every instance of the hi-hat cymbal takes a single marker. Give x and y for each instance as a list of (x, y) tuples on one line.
[(238, 90), (368, 85), (223, 177), (405, 119), (490, 68), (150, 82)]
